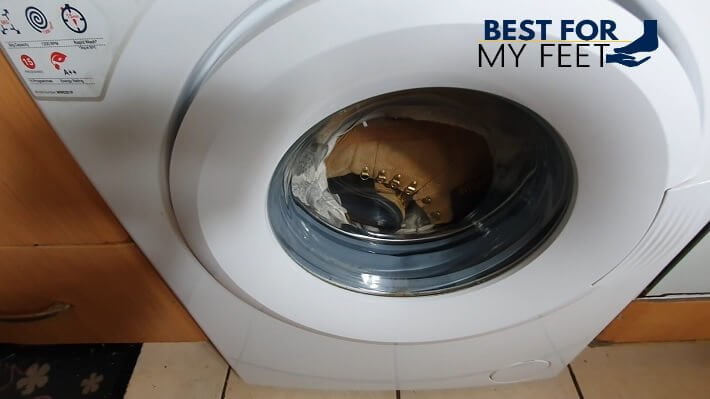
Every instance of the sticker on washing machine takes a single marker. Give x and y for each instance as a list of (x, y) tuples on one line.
[(60, 49)]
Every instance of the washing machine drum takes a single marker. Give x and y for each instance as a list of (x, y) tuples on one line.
[(421, 191), (345, 162)]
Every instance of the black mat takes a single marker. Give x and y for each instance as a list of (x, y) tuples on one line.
[(66, 371)]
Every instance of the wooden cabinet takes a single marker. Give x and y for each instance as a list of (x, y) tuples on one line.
[(65, 260), (100, 293), (658, 320)]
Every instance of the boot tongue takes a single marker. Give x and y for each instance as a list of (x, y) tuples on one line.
[(365, 205)]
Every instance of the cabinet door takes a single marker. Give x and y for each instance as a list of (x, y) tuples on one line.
[(45, 198), (89, 293), (653, 320)]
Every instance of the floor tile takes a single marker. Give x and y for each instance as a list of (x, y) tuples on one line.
[(560, 387), (648, 371), (178, 371), (238, 389)]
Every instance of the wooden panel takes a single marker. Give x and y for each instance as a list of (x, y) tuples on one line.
[(44, 196), (659, 321), (116, 295)]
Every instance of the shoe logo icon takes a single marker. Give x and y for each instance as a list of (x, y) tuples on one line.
[(647, 43)]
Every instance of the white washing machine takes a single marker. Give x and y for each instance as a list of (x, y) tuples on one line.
[(196, 121)]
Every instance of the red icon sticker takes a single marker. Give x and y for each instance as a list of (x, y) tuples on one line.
[(73, 19), (56, 58), (28, 61)]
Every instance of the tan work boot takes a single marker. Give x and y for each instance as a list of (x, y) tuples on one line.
[(442, 168)]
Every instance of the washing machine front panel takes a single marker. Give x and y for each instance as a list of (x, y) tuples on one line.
[(326, 57)]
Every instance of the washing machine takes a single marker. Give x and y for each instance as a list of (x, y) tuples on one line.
[(561, 166)]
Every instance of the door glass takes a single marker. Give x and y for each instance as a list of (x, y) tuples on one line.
[(421, 191)]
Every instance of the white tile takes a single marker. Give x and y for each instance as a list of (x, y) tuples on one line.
[(178, 371), (645, 371), (560, 387), (238, 389)]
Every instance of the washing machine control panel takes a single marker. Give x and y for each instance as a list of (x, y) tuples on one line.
[(62, 48)]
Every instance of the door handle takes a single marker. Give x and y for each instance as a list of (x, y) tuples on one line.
[(51, 311)]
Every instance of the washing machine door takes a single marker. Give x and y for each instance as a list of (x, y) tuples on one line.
[(571, 165)]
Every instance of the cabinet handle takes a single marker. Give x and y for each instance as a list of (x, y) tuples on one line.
[(51, 311)]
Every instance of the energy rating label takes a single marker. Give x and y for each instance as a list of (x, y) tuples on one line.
[(60, 49)]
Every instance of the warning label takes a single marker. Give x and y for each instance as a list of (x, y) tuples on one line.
[(60, 49)]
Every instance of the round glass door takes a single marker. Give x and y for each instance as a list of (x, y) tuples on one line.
[(421, 191)]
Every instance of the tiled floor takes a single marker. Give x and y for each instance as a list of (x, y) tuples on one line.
[(637, 371)]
